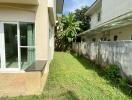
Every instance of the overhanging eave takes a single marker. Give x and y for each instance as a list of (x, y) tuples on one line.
[(59, 6), (29, 2), (118, 22)]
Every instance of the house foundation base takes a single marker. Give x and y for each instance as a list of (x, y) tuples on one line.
[(26, 83)]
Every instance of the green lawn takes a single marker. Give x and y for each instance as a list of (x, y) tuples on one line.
[(74, 78)]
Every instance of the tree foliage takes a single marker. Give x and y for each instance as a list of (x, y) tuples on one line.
[(67, 28), (80, 15)]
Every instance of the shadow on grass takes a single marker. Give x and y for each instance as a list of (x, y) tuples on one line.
[(70, 95), (91, 66)]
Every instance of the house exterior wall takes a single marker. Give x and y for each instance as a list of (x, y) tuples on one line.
[(110, 9), (17, 12), (43, 18), (23, 82), (114, 8), (43, 24), (94, 18), (42, 30), (33, 2), (51, 41), (52, 3), (13, 15), (123, 33)]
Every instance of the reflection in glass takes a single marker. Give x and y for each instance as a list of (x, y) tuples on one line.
[(27, 57), (27, 39), (27, 35), (10, 31)]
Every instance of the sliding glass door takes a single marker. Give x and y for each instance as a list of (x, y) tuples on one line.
[(17, 50), (11, 45), (27, 43)]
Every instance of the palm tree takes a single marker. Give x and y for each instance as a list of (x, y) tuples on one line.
[(71, 27), (67, 29)]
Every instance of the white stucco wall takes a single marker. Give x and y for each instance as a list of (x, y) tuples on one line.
[(123, 33), (115, 8), (30, 13), (51, 41), (111, 9), (94, 19), (42, 31), (52, 3), (105, 53), (11, 14)]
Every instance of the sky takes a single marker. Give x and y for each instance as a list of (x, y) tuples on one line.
[(71, 5)]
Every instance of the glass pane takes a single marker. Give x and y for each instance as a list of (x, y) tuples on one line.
[(10, 31), (27, 34), (27, 38), (27, 57)]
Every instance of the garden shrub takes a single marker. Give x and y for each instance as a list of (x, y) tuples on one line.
[(112, 72)]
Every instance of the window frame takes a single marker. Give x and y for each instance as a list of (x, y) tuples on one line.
[(99, 16), (2, 57), (23, 46), (115, 38)]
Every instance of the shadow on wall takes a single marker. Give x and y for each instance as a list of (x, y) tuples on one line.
[(92, 66), (104, 53)]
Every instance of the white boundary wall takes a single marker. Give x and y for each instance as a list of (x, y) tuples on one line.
[(104, 53)]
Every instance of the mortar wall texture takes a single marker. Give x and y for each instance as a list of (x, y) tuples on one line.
[(105, 53)]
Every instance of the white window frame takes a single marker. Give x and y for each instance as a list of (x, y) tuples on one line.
[(2, 51), (3, 57), (24, 46), (4, 68), (131, 37)]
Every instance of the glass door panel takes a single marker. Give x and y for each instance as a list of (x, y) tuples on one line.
[(11, 45), (27, 41), (17, 48)]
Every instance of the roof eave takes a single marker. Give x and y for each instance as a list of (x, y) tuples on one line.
[(93, 7), (120, 21), (28, 2), (59, 6)]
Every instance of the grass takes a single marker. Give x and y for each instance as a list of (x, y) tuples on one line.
[(74, 78)]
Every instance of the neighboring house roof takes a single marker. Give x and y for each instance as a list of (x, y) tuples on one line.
[(94, 7), (59, 6), (117, 22)]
